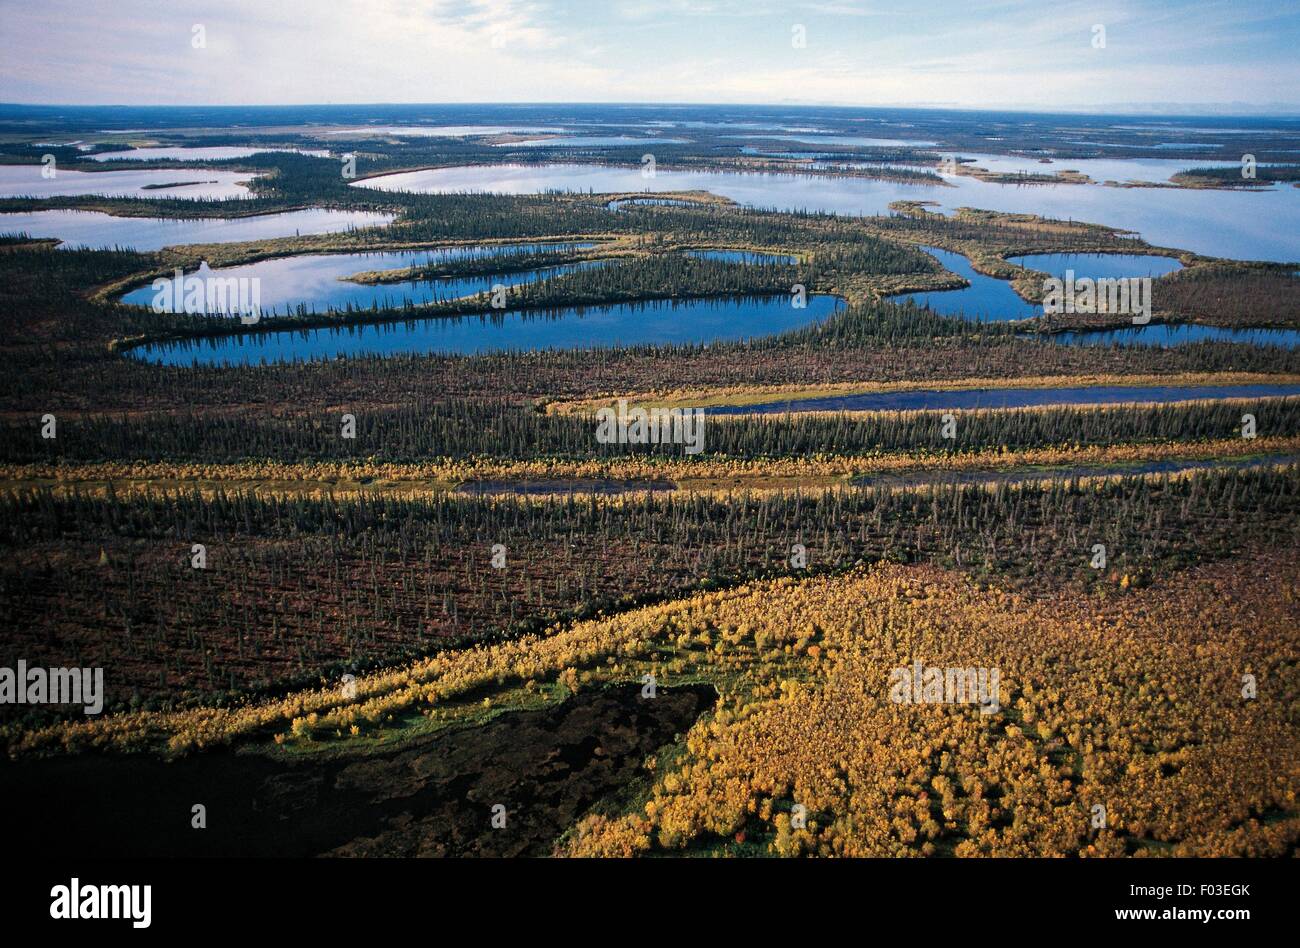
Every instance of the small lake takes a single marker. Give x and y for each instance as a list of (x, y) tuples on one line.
[(987, 298), (26, 181), (823, 162), (990, 299), (1029, 474), (198, 153), (1008, 398), (318, 282), (627, 324), (1165, 336), (647, 202), (1257, 224), (751, 257), (1098, 266), (101, 231)]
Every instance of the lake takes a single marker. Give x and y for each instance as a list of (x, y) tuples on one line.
[(26, 181), (1098, 266), (198, 153), (1259, 224), (106, 231), (858, 140), (590, 141), (656, 323), (441, 131), (988, 298), (317, 282), (1153, 170), (991, 299)]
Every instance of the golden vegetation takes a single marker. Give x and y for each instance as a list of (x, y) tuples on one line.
[(754, 395), (1137, 708), (1134, 703), (321, 478)]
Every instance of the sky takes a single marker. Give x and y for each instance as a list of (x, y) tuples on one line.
[(1170, 55)]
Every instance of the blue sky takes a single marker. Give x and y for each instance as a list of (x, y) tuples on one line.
[(967, 53)]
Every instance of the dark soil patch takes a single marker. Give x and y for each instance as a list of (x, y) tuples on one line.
[(432, 797)]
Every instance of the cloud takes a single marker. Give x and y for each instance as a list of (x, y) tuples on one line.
[(970, 52)]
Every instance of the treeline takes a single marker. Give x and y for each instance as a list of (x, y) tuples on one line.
[(890, 324), (1232, 176), (506, 259), (663, 276), (988, 229), (464, 428), (57, 358), (43, 292), (841, 241), (1231, 295), (552, 294), (294, 588)]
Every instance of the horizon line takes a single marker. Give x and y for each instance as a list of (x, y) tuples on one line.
[(1170, 110)]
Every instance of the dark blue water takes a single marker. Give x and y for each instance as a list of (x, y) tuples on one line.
[(743, 256), (1009, 398), (647, 202), (987, 298), (1165, 336), (1099, 266), (657, 323)]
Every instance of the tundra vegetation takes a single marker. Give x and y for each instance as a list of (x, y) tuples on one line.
[(791, 565)]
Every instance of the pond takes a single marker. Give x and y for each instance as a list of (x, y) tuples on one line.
[(1029, 474), (626, 324), (106, 231), (1165, 336), (1099, 265), (933, 400), (752, 257), (621, 203)]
